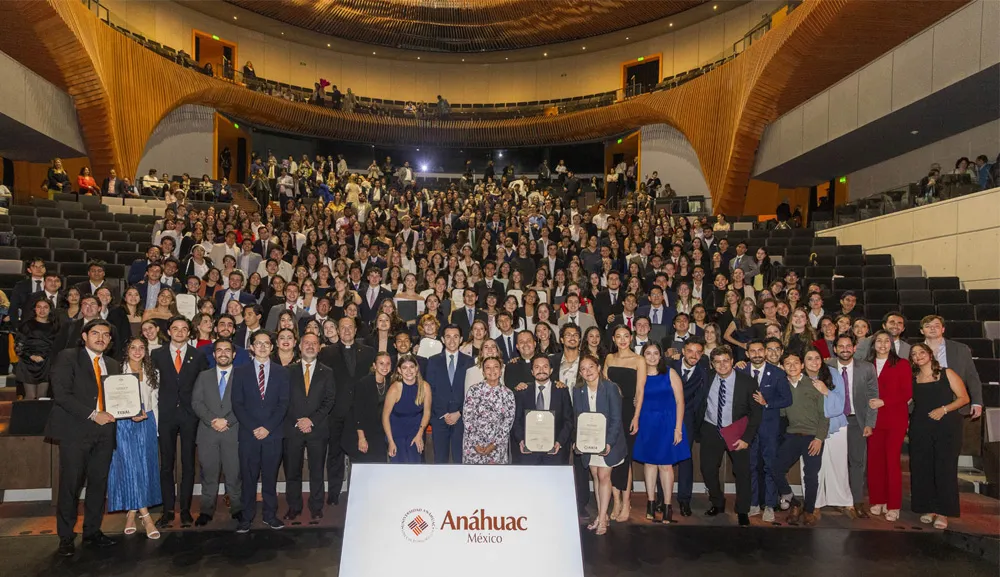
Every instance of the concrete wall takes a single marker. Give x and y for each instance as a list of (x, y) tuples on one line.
[(958, 237), (664, 149), (913, 165), (184, 141), (955, 48)]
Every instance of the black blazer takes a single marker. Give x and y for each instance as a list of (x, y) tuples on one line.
[(333, 356), (119, 187), (482, 290), (69, 337), (317, 405), (367, 313), (20, 298), (694, 388), (559, 405), (603, 308), (460, 317), (743, 404), (176, 388), (74, 390), (518, 371)]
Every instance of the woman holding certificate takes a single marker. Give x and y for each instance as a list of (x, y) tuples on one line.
[(134, 478), (488, 414), (593, 394)]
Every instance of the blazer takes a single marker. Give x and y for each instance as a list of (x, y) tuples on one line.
[(241, 356), (864, 348), (366, 311), (603, 307), (176, 388), (119, 187), (960, 360), (244, 297), (518, 371), (460, 317), (252, 265), (748, 265), (512, 353), (333, 356), (559, 405), (775, 389), (137, 270), (143, 287), (447, 396), (669, 340), (895, 388), (316, 405), (20, 298), (482, 290), (694, 388), (584, 321), (609, 404), (74, 391), (252, 411), (864, 389), (666, 319), (743, 404), (208, 405)]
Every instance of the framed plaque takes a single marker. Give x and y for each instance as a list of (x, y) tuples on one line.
[(187, 305), (121, 396), (591, 433), (539, 431)]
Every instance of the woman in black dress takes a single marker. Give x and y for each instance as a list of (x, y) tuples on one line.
[(369, 397), (33, 344), (935, 437), (626, 369)]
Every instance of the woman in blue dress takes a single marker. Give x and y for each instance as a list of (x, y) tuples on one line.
[(134, 478), (662, 438), (406, 412)]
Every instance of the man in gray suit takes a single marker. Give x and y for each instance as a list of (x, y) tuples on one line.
[(893, 323), (218, 430), (862, 386), (957, 357), (248, 261), (574, 316), (745, 262)]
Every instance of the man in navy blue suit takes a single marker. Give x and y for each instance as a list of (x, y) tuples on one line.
[(446, 375), (658, 310), (225, 326), (693, 368), (234, 292), (372, 295), (507, 341), (775, 394), (260, 401)]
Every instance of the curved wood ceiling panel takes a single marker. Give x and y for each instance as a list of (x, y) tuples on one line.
[(465, 25), (123, 90)]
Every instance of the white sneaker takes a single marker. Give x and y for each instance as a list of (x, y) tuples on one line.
[(877, 510), (768, 516), (785, 503), (892, 515), (754, 511)]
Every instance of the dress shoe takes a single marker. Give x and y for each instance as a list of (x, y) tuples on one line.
[(165, 519), (859, 510), (333, 499), (243, 527), (685, 507), (850, 512), (98, 539), (186, 519), (66, 548), (274, 523), (713, 511), (291, 515), (744, 519), (203, 520), (316, 515), (809, 519)]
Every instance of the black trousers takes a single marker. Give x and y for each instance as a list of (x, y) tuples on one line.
[(538, 458), (685, 469), (335, 457), (170, 427), (86, 459), (581, 475), (713, 447), (296, 446), (260, 459)]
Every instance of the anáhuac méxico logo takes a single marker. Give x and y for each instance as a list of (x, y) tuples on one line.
[(481, 527)]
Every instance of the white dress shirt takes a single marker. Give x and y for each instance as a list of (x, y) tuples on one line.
[(546, 395)]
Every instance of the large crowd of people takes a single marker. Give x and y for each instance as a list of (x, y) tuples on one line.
[(348, 323)]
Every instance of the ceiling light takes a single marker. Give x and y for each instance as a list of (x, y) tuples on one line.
[(418, 150), (418, 58), (373, 54), (234, 18), (500, 154), (423, 168), (505, 58), (671, 24), (545, 54), (327, 45), (282, 33), (716, 7), (626, 38), (463, 60), (584, 47), (914, 132)]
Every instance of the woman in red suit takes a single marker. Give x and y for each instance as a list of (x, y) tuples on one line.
[(895, 389)]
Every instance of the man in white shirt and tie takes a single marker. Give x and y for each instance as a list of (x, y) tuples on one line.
[(248, 261), (507, 339), (744, 262), (543, 395), (21, 295), (641, 337), (233, 293)]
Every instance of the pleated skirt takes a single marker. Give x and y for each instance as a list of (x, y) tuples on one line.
[(134, 478)]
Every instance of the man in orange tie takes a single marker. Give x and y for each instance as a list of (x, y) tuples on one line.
[(86, 434)]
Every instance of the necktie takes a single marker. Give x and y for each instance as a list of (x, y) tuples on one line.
[(177, 361), (451, 368), (38, 285), (222, 385), (685, 374), (572, 319), (722, 402), (756, 375), (656, 316), (307, 379), (540, 400), (847, 391), (628, 322), (612, 295), (100, 385), (52, 299), (260, 381), (510, 347), (232, 295), (471, 316)]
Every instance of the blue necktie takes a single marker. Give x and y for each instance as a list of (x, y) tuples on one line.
[(756, 375), (222, 385), (722, 402), (471, 315), (451, 369), (656, 316)]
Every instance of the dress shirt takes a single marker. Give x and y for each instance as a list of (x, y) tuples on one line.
[(614, 297), (174, 349), (53, 299), (231, 295), (229, 375), (104, 373), (267, 372), (200, 270), (656, 315), (639, 343), (311, 365), (244, 262), (941, 354), (760, 372), (546, 395), (850, 380), (509, 342), (152, 292), (814, 318), (713, 402), (697, 290)]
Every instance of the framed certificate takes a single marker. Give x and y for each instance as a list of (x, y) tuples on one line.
[(187, 305), (121, 396), (591, 433), (539, 431)]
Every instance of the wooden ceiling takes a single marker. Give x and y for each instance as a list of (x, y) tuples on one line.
[(462, 26)]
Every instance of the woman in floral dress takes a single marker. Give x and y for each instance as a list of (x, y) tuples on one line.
[(489, 415)]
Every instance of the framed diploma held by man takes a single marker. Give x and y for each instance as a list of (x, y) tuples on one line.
[(591, 433), (121, 396), (187, 305), (539, 431)]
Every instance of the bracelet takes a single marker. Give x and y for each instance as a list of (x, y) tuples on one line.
[(945, 409)]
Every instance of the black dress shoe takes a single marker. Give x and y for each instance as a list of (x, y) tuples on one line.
[(66, 548), (98, 539), (237, 516), (685, 507), (333, 499), (744, 519), (165, 519), (203, 520), (291, 515), (713, 511), (186, 519), (316, 515)]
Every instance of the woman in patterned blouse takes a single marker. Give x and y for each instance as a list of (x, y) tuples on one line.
[(488, 416)]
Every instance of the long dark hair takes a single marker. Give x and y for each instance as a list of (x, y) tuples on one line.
[(824, 369), (935, 365), (661, 367), (893, 357), (602, 350), (146, 364)]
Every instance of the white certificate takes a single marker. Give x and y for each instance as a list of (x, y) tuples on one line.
[(591, 433), (187, 305), (539, 431), (121, 396)]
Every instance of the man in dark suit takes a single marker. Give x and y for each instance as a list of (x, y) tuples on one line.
[(86, 435), (90, 310), (572, 187), (260, 401), (552, 261), (372, 295), (137, 270), (21, 295), (520, 368), (692, 367), (464, 317), (225, 327), (307, 429), (95, 280), (507, 339), (659, 311), (679, 334), (729, 397), (352, 361), (543, 395), (489, 285), (609, 301), (50, 292), (234, 292), (250, 325), (112, 185), (446, 376), (179, 365), (149, 288), (263, 245)]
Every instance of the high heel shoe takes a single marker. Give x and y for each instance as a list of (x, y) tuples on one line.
[(130, 523), (602, 528), (148, 524), (668, 514), (650, 510)]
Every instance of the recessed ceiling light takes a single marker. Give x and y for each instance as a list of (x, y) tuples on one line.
[(671, 25), (626, 38), (373, 54), (234, 18), (418, 58), (463, 60), (584, 47), (914, 132), (716, 7), (505, 58), (545, 54), (282, 33)]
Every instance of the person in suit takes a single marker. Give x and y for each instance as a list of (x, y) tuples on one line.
[(957, 357), (489, 285), (575, 316), (52, 293), (744, 262), (463, 317), (552, 262), (659, 312), (861, 386), (179, 365), (506, 340), (352, 361), (248, 261), (90, 309), (95, 280), (252, 314), (608, 303), (543, 394), (225, 329), (372, 295), (291, 304), (234, 292), (520, 369), (893, 323), (627, 315), (312, 389), (679, 334), (113, 186), (149, 287), (446, 376), (728, 399), (773, 395), (137, 270), (20, 297), (218, 433), (263, 245), (86, 435), (260, 401), (692, 367)]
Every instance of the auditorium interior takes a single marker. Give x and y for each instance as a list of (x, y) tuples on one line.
[(857, 142)]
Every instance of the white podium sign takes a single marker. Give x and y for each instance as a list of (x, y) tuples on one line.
[(491, 521)]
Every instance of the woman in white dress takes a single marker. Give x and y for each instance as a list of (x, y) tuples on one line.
[(834, 481)]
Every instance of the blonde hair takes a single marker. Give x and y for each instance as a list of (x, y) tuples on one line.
[(422, 385)]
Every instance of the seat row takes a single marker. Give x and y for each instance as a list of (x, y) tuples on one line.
[(128, 253), (100, 220)]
